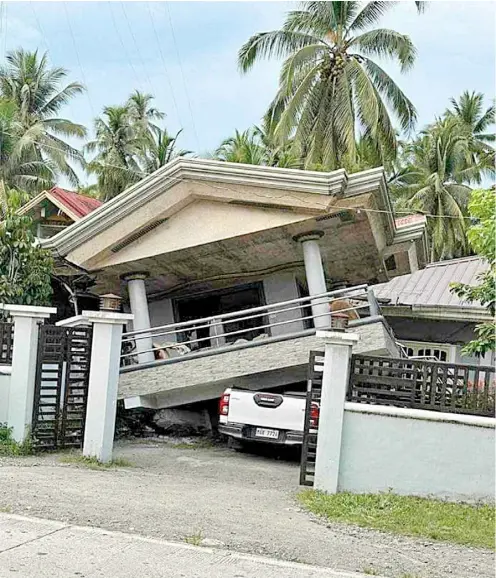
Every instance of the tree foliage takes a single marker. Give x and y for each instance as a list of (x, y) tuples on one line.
[(482, 238), (25, 267), (38, 93), (128, 145), (331, 87)]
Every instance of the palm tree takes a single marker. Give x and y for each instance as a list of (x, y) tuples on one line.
[(243, 147), (20, 170), (330, 88), (116, 146), (142, 114), (475, 122), (162, 150), (36, 89), (431, 184)]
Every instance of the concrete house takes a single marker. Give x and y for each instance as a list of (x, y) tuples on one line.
[(205, 240), (56, 209)]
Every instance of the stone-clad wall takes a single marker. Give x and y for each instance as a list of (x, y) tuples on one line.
[(267, 365)]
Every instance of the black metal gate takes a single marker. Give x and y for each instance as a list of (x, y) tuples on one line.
[(311, 425), (61, 386)]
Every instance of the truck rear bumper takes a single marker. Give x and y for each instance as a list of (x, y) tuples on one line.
[(245, 432)]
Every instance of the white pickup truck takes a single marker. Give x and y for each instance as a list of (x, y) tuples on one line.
[(264, 417)]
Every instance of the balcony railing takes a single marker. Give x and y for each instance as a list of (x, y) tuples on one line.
[(248, 326)]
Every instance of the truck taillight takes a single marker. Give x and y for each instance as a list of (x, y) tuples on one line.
[(314, 415), (224, 404)]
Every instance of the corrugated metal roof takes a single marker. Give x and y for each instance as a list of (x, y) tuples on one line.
[(430, 287), (81, 205)]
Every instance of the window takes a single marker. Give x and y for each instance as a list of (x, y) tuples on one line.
[(390, 263), (431, 351)]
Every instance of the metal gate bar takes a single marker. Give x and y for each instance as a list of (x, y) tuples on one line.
[(61, 387), (310, 432)]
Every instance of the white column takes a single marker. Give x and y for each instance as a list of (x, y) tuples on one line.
[(338, 347), (314, 271), (139, 308), (27, 320), (103, 380)]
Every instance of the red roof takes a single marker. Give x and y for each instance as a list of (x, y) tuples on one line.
[(78, 204), (409, 220)]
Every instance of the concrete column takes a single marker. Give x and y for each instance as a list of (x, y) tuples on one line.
[(139, 308), (338, 347), (314, 271), (413, 257), (103, 380), (24, 358)]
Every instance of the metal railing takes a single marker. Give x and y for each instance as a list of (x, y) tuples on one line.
[(245, 326), (422, 384)]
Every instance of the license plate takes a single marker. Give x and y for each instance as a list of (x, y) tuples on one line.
[(262, 432)]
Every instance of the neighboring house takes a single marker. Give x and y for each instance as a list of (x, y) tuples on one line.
[(56, 209), (430, 320), (203, 238)]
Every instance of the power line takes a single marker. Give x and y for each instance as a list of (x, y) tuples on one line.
[(122, 43), (183, 77), (136, 46), (164, 64), (83, 76)]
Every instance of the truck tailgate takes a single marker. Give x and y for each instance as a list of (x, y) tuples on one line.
[(259, 409)]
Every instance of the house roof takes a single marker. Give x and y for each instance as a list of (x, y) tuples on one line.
[(429, 288), (75, 205), (318, 185)]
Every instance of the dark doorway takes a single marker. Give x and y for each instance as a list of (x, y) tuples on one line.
[(214, 303)]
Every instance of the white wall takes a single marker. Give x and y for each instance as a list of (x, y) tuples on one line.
[(4, 392), (282, 287), (417, 452), (162, 313)]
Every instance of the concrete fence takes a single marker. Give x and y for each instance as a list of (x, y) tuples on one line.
[(365, 448), (417, 452)]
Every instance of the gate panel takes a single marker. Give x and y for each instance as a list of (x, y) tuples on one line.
[(311, 427), (48, 386), (78, 359), (61, 386)]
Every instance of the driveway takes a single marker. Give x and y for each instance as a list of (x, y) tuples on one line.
[(222, 499)]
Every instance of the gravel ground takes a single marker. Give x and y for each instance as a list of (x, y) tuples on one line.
[(236, 501)]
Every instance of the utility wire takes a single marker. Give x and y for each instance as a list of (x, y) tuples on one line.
[(183, 77), (83, 76), (123, 44), (136, 47), (159, 45)]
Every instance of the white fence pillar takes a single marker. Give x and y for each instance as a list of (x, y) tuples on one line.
[(338, 348), (103, 379), (27, 320)]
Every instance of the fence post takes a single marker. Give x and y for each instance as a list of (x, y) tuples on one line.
[(103, 382), (27, 319), (337, 356)]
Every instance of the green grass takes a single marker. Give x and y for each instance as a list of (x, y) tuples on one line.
[(94, 464), (194, 539), (470, 525), (9, 447)]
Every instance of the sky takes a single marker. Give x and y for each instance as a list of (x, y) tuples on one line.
[(185, 54)]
